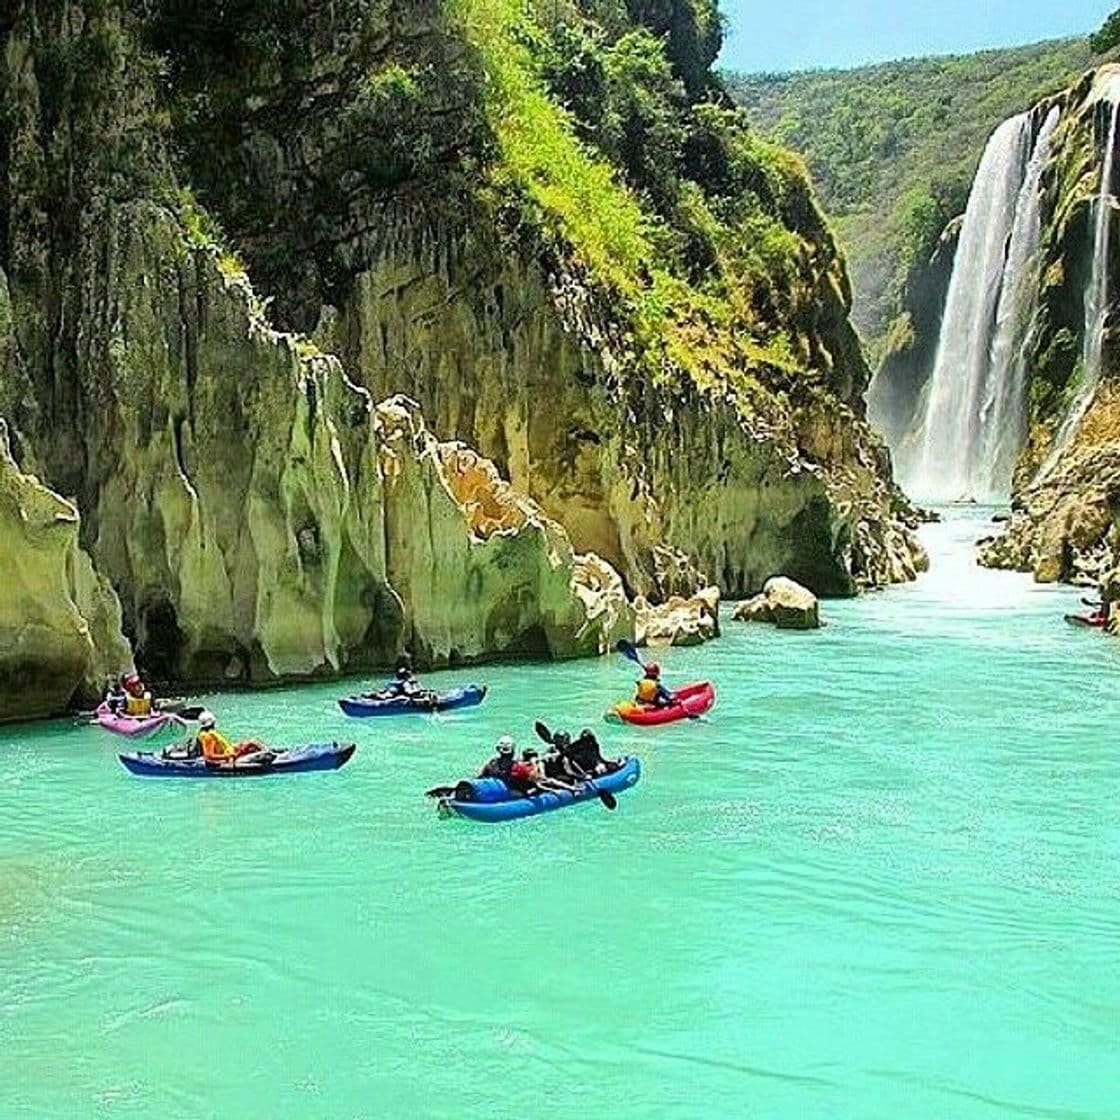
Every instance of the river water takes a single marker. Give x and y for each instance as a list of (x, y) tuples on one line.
[(882, 879)]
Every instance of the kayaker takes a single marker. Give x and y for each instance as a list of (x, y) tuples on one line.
[(528, 778), (402, 684), (115, 694), (137, 700), (218, 749), (651, 692), (501, 764), (586, 754)]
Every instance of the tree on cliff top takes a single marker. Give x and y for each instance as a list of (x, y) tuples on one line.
[(1108, 36)]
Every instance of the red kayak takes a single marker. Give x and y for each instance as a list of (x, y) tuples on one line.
[(690, 701), (1096, 621)]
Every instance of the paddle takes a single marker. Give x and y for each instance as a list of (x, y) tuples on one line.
[(439, 791), (608, 799)]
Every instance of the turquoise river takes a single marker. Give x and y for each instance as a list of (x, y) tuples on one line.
[(882, 879)]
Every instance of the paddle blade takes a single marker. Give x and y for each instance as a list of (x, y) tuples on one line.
[(608, 799), (612, 717), (542, 731), (439, 791), (627, 649)]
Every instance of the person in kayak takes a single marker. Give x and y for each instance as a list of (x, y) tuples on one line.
[(502, 762), (651, 692), (216, 748), (115, 694), (575, 760), (404, 683), (527, 776), (586, 754), (137, 699)]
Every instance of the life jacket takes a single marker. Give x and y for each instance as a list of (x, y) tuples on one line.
[(138, 705), (215, 745), (648, 690)]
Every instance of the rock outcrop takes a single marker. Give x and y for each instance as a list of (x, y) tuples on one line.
[(679, 621), (60, 624), (783, 602), (688, 433), (260, 515)]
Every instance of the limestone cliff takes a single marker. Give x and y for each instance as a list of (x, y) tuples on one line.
[(60, 623), (458, 235), (260, 516)]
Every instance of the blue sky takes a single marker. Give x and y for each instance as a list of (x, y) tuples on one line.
[(804, 34)]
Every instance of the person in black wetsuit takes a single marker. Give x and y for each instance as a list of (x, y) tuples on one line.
[(585, 753)]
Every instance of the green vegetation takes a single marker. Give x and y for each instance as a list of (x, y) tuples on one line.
[(705, 232), (893, 147), (1108, 37), (589, 133)]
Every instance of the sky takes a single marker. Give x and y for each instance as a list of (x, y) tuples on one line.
[(776, 35)]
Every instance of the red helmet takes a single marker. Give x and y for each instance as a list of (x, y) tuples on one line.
[(653, 670)]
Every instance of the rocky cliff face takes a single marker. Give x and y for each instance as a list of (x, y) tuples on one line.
[(667, 448), (531, 370), (257, 513), (261, 517), (60, 623)]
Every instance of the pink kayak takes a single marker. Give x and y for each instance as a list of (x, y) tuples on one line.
[(135, 727)]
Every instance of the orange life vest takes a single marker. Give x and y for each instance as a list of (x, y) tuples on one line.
[(215, 746)]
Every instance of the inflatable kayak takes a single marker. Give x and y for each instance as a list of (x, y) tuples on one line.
[(298, 760), (501, 804), (1094, 621), (135, 727), (363, 706), (690, 701)]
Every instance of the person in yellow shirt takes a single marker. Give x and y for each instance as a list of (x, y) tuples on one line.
[(137, 699), (651, 692)]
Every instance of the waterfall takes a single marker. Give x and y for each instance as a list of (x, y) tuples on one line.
[(1003, 413), (974, 415), (1096, 294)]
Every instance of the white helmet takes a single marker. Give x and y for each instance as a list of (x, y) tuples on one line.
[(206, 719), (506, 745)]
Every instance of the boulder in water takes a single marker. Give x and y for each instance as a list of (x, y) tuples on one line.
[(783, 602), (679, 621)]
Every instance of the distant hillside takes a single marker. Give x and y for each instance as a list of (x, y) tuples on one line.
[(893, 147)]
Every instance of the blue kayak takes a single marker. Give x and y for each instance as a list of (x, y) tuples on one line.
[(298, 760), (362, 707), (511, 807)]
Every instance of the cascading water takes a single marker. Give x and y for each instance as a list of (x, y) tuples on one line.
[(974, 415), (1096, 294), (1003, 413)]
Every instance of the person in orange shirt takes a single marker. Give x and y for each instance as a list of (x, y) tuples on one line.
[(216, 748)]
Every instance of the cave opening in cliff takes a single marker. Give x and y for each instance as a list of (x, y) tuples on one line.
[(159, 640)]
